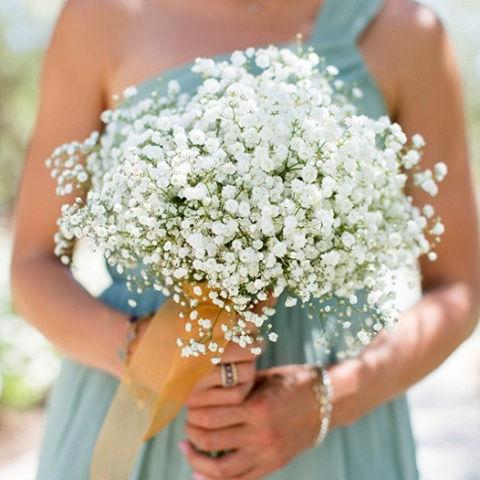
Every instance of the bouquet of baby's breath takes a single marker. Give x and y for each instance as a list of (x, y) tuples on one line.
[(263, 180)]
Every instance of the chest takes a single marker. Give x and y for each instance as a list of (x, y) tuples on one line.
[(159, 40)]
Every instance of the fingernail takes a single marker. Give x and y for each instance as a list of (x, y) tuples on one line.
[(182, 445), (197, 476)]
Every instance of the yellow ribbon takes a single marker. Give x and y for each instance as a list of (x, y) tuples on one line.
[(156, 383)]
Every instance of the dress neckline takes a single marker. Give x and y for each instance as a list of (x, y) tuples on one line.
[(322, 13)]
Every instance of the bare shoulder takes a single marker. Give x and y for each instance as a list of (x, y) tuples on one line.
[(83, 48), (99, 10), (411, 14), (411, 49), (94, 27), (413, 27)]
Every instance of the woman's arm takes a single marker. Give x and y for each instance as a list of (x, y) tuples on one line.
[(71, 100), (265, 429), (429, 102)]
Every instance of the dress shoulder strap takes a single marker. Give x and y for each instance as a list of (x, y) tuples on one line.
[(343, 21)]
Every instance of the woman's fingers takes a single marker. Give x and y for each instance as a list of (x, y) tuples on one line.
[(245, 374), (218, 396), (216, 417), (231, 464), (227, 438)]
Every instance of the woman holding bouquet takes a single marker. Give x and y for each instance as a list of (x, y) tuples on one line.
[(267, 420)]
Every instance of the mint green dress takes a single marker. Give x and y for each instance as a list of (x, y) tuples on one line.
[(378, 447)]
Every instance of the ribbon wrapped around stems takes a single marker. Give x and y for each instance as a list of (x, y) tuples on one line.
[(155, 384)]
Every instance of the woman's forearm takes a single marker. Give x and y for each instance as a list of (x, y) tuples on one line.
[(423, 338), (46, 294)]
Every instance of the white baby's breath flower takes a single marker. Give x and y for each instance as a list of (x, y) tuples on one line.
[(440, 171), (348, 239), (309, 173), (198, 192), (273, 337), (290, 301), (173, 87), (438, 229), (180, 273), (262, 180), (197, 137), (262, 60), (428, 211), (211, 86), (238, 58), (332, 70), (331, 258), (418, 141), (357, 93), (430, 187), (130, 92)]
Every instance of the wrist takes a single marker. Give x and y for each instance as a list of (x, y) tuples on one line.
[(135, 326), (348, 381), (118, 331), (360, 385)]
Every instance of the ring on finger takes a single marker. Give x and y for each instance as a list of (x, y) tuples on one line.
[(229, 373)]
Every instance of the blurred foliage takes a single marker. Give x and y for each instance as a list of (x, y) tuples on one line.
[(28, 363), (16, 95), (462, 20), (24, 30)]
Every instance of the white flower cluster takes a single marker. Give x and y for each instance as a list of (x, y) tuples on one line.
[(261, 181)]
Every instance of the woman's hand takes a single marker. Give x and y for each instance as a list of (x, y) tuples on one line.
[(210, 392), (276, 422), (280, 417)]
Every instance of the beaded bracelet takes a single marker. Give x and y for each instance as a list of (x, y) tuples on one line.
[(323, 392), (134, 322)]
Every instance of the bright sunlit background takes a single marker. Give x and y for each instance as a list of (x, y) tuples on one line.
[(445, 406)]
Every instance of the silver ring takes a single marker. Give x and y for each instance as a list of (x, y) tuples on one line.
[(229, 374)]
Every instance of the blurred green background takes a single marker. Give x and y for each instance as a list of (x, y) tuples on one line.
[(25, 25), (28, 364)]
